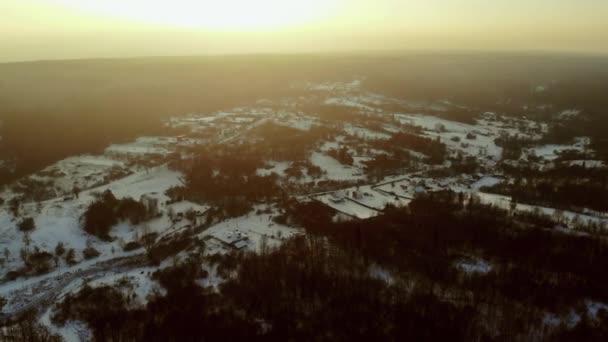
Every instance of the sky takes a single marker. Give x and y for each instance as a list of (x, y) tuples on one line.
[(71, 29)]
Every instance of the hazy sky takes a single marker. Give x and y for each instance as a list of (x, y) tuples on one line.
[(49, 29)]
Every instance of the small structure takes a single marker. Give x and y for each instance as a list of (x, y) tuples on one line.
[(336, 198), (357, 194), (231, 239), (150, 203), (419, 190)]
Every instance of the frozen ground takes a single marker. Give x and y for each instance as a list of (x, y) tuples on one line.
[(334, 170), (552, 152), (569, 217), (274, 167), (365, 134), (58, 221), (474, 266), (348, 207), (252, 229)]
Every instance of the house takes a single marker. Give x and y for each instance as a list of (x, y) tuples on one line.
[(240, 244), (231, 239), (336, 198)]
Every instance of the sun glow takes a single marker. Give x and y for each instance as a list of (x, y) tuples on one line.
[(216, 15)]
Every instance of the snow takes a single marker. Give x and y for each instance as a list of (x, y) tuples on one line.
[(184, 206), (334, 86), (483, 145), (375, 199), (70, 332), (84, 171), (155, 180), (349, 102), (504, 202), (58, 221), (298, 121), (569, 113), (135, 149), (573, 317), (365, 133), (594, 308), (348, 207), (138, 283), (335, 170), (274, 167), (253, 228), (213, 280), (474, 266), (378, 272), (587, 163), (486, 181), (551, 152), (429, 122)]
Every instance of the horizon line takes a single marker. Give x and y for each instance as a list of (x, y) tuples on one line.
[(344, 53)]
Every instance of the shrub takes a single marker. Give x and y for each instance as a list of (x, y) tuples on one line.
[(59, 249), (27, 225), (70, 257), (102, 214), (90, 253), (131, 246)]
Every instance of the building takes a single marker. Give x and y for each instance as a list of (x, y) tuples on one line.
[(336, 198), (231, 239)]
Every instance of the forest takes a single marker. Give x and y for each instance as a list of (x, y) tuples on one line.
[(391, 278), (574, 188)]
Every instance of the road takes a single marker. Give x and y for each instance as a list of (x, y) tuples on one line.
[(61, 281)]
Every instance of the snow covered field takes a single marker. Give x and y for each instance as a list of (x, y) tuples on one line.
[(250, 229), (569, 217), (552, 152), (58, 221), (334, 170)]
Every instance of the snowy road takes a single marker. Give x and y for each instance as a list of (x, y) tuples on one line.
[(41, 300)]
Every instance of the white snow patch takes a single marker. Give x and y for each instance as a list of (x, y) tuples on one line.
[(335, 170)]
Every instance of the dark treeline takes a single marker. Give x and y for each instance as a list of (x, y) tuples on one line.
[(283, 143), (107, 211), (400, 158), (230, 183), (569, 188), (533, 265), (315, 293)]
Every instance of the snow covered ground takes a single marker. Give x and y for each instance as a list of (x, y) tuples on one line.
[(474, 266), (486, 181), (505, 202), (348, 207), (552, 152), (334, 170), (58, 221), (274, 167), (251, 229), (365, 134), (472, 140)]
